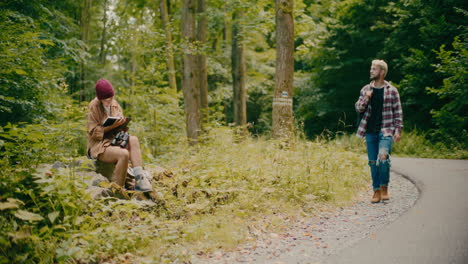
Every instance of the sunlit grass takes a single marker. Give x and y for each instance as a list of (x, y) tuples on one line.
[(225, 186), (223, 189), (412, 144)]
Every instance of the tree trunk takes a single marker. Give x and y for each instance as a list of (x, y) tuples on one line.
[(189, 80), (169, 8), (239, 76), (102, 53), (85, 29), (169, 46), (282, 101), (201, 61), (85, 20)]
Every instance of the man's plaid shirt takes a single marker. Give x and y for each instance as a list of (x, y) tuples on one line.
[(392, 114)]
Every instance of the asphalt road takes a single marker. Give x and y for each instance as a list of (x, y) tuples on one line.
[(434, 231)]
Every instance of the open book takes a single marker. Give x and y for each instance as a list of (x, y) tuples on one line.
[(110, 120)]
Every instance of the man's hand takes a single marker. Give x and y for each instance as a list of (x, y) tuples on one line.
[(396, 137)]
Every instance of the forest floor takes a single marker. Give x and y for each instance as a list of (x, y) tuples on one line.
[(313, 239)]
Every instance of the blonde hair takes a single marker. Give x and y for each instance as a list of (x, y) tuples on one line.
[(382, 64)]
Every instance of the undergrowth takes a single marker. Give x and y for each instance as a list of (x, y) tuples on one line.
[(223, 189)]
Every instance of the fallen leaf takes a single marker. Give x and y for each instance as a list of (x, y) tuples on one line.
[(8, 205), (28, 216)]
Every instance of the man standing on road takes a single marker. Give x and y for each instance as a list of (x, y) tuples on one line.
[(381, 125)]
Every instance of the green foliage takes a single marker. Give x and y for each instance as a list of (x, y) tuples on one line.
[(339, 65), (451, 119), (157, 119), (424, 27), (348, 34), (37, 210), (32, 59), (26, 145)]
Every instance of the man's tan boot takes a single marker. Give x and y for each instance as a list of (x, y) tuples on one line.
[(376, 198), (384, 193)]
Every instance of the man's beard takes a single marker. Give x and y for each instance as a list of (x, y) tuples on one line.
[(374, 78)]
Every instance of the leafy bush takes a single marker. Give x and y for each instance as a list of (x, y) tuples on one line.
[(39, 210), (37, 50), (451, 119)]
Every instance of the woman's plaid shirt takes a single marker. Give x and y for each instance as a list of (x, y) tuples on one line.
[(392, 114)]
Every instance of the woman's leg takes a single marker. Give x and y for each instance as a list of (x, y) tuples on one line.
[(135, 152), (142, 183), (120, 156)]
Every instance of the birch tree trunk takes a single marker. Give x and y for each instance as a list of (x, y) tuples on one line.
[(239, 75), (169, 46), (189, 80), (282, 101), (201, 60)]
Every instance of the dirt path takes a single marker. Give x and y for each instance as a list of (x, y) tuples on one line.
[(313, 240), (433, 231)]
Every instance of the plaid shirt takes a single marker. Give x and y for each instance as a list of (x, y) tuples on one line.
[(392, 114)]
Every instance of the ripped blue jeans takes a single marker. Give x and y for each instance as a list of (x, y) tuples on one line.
[(379, 149)]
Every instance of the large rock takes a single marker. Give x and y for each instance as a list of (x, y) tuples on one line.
[(98, 192), (106, 169), (83, 164), (58, 165), (97, 179), (98, 175)]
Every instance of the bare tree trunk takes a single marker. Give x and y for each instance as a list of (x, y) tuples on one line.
[(201, 60), (85, 29), (169, 46), (102, 53), (86, 19), (282, 101), (239, 76), (189, 80)]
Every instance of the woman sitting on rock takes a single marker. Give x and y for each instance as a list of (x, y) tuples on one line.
[(100, 138)]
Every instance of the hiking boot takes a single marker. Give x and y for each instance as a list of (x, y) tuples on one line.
[(376, 198), (142, 184), (384, 193)]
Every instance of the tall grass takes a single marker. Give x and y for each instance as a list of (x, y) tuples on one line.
[(225, 186), (412, 144), (223, 189)]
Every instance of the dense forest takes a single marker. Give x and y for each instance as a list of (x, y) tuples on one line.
[(181, 69), (60, 49)]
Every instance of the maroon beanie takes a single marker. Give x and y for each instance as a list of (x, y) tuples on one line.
[(104, 89)]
